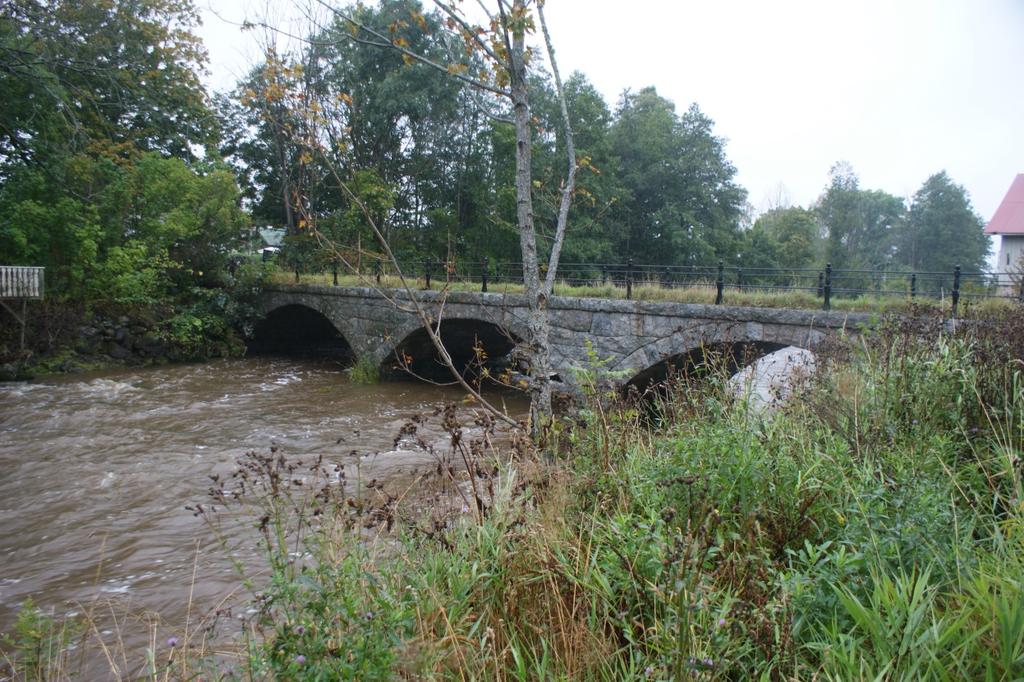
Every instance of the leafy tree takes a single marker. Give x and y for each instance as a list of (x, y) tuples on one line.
[(262, 119), (40, 226), (714, 202), (589, 234), (352, 226), (645, 140), (860, 225), (942, 230), (680, 202), (761, 250), (102, 95), (103, 77), (785, 238), (156, 226), (190, 214), (366, 110)]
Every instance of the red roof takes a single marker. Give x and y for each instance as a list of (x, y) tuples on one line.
[(1009, 217)]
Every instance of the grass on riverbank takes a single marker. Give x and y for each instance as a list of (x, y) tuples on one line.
[(891, 303), (872, 530)]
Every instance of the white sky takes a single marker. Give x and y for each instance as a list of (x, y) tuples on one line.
[(899, 88)]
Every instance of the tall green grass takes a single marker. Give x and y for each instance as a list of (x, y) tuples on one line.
[(364, 372)]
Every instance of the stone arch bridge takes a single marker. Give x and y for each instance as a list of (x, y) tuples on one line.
[(636, 340)]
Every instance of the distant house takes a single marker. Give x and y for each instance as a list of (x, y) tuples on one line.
[(271, 239), (1008, 223)]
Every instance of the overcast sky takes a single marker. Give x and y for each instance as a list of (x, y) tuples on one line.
[(900, 89)]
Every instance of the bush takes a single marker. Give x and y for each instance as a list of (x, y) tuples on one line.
[(364, 372)]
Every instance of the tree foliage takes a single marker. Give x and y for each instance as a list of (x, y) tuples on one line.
[(861, 225), (447, 135), (942, 230), (873, 230), (652, 185), (110, 78), (785, 238), (681, 205), (101, 139)]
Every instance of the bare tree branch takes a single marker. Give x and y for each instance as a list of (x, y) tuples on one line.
[(468, 30), (570, 180), (503, 23), (487, 110), (485, 10), (425, 318)]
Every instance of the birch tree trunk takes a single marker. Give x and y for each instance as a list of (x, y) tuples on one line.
[(537, 317)]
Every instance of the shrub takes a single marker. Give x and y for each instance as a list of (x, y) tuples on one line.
[(364, 372)]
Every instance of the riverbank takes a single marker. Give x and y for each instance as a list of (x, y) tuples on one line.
[(69, 338), (873, 528), (69, 334)]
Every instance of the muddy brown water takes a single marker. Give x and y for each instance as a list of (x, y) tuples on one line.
[(96, 471)]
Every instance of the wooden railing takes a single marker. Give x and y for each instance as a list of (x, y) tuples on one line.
[(21, 282)]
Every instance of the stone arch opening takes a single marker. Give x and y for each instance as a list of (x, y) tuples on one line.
[(698, 363), (299, 331), (474, 345)]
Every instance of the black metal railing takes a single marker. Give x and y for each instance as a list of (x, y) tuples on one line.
[(826, 283)]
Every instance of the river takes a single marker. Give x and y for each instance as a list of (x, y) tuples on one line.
[(97, 470)]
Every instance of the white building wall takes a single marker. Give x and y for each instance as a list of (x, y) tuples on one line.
[(1010, 259)]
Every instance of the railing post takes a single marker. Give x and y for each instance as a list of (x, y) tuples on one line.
[(956, 288), (629, 279), (376, 271), (913, 285), (827, 303), (604, 275), (426, 273), (666, 278), (296, 273), (483, 276), (739, 279), (720, 283), (334, 271)]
